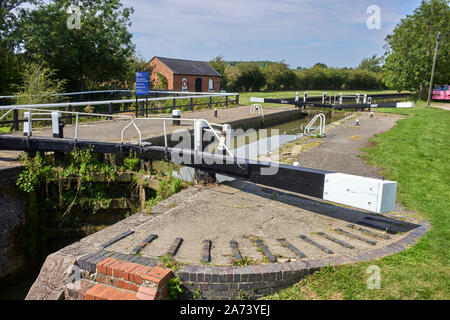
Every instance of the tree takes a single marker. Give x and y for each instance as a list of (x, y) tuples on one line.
[(219, 65), (371, 64), (251, 76), (39, 85), (279, 76), (320, 65), (98, 52), (410, 48), (9, 61)]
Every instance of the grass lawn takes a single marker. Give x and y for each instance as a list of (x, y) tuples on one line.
[(416, 154), (244, 97)]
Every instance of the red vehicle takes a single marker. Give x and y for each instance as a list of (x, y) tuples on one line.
[(441, 93)]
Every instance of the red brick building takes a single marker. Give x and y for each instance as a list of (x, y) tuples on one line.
[(185, 75)]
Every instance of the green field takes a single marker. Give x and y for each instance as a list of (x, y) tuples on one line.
[(416, 154), (244, 97)]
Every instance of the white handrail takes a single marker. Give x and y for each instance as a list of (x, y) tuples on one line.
[(132, 123), (321, 128), (257, 107), (116, 101)]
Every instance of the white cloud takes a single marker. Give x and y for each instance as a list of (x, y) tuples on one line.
[(258, 29)]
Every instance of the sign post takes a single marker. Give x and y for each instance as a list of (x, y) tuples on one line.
[(142, 87)]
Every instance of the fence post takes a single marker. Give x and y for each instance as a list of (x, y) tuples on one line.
[(137, 108), (142, 108), (174, 103), (69, 108), (210, 102), (146, 106), (191, 103), (110, 110), (16, 119), (237, 98), (226, 101)]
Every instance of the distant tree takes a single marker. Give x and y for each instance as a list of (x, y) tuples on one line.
[(410, 48), (320, 65), (97, 52), (251, 76), (279, 76), (232, 76), (371, 64), (219, 65)]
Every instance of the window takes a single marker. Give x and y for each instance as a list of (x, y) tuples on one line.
[(211, 85)]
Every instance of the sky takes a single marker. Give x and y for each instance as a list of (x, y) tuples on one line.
[(300, 32)]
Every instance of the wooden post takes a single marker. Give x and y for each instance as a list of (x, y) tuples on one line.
[(16, 119), (226, 101), (137, 107), (210, 102), (146, 106), (69, 108), (237, 98), (191, 103)]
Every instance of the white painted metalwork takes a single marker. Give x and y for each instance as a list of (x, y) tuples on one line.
[(362, 192), (321, 127), (211, 126), (405, 104), (257, 108), (116, 101)]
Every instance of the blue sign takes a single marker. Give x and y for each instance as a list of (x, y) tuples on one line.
[(142, 87)]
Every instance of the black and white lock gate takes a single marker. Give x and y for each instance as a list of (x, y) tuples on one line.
[(370, 194)]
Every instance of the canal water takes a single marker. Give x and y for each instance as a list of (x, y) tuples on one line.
[(252, 143)]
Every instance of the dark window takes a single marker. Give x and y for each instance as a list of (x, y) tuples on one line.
[(198, 85)]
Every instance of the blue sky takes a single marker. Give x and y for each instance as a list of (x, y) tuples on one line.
[(300, 32)]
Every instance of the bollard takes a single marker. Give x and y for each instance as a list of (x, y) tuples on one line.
[(177, 115), (215, 113), (357, 122), (57, 125), (296, 96), (340, 98), (324, 97), (27, 125), (305, 95)]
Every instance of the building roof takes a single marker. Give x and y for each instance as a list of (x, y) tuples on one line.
[(189, 67)]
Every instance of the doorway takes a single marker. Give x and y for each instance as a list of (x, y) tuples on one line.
[(198, 85)]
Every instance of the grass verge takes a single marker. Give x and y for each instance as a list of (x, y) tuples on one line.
[(416, 154)]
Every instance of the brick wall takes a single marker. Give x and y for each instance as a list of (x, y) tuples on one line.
[(191, 82), (174, 80), (158, 66)]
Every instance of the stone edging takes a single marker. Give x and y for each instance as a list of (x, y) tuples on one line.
[(257, 280)]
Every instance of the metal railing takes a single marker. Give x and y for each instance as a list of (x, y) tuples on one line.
[(321, 126), (142, 107), (29, 120), (257, 108)]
